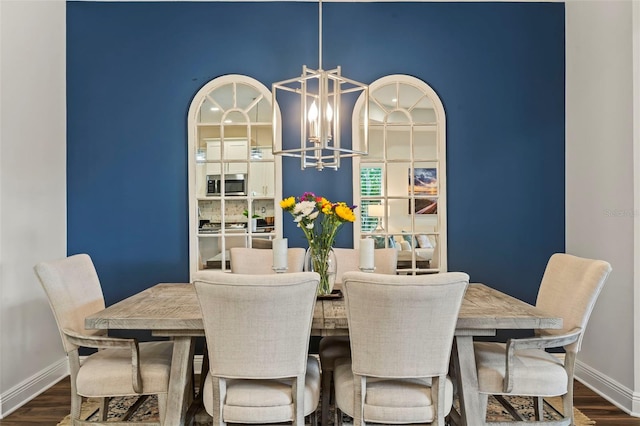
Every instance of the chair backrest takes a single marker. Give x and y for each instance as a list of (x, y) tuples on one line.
[(385, 261), (74, 292), (570, 287), (260, 261), (402, 325), (257, 326)]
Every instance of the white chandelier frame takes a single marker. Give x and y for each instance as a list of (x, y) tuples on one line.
[(320, 90)]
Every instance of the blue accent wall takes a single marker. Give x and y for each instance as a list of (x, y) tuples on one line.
[(133, 68)]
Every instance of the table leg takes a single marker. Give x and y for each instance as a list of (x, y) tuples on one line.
[(180, 381), (467, 377)]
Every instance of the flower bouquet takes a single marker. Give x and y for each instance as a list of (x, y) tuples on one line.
[(306, 211)]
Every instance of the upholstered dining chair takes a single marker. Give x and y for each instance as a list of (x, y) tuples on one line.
[(332, 348), (260, 261), (256, 261), (401, 330), (121, 367), (569, 289), (385, 261), (257, 330)]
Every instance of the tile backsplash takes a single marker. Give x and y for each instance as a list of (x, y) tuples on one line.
[(211, 210)]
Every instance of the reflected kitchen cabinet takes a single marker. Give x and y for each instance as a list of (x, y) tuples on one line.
[(233, 160), (262, 172)]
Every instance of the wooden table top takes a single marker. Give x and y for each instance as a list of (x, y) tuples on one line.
[(171, 309)]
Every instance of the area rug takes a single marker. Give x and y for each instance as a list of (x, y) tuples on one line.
[(149, 411)]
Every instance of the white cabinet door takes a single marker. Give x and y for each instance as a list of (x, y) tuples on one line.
[(269, 173), (233, 150), (255, 179), (236, 150), (269, 179), (261, 179), (213, 154)]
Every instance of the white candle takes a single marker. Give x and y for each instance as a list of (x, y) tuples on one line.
[(280, 248), (366, 254), (312, 116)]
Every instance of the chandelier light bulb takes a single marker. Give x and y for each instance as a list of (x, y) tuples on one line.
[(312, 116), (327, 123)]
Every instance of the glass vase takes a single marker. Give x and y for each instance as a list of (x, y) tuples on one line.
[(324, 262)]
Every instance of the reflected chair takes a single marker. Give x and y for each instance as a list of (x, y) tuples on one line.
[(257, 329), (260, 261), (261, 243), (385, 261), (121, 367), (569, 289), (333, 347), (401, 329)]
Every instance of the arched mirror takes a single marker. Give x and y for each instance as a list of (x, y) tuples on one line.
[(400, 185), (234, 179)]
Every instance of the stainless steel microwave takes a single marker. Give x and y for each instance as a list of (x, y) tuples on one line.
[(234, 184)]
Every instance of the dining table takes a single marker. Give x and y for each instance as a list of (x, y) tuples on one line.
[(172, 310)]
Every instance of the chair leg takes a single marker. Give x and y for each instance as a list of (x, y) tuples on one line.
[(76, 405), (74, 366), (204, 371), (337, 417), (313, 418), (326, 396), (567, 399), (162, 406), (104, 409), (567, 403), (538, 407), (484, 401)]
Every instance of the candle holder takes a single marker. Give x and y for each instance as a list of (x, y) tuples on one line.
[(280, 251), (370, 270)]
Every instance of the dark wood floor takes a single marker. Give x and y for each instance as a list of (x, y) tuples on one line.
[(50, 407)]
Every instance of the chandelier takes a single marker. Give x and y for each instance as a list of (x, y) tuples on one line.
[(318, 99)]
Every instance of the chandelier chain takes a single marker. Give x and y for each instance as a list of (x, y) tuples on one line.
[(320, 34)]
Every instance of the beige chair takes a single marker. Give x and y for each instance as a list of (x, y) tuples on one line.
[(332, 348), (256, 261), (257, 328), (122, 367), (385, 261), (569, 289), (401, 330), (260, 261)]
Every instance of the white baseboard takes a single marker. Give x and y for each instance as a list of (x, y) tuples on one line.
[(611, 390), (24, 392)]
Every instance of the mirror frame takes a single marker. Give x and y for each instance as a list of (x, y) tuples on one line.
[(192, 141), (426, 90)]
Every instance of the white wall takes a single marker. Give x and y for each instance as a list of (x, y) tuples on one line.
[(32, 192), (599, 183)]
